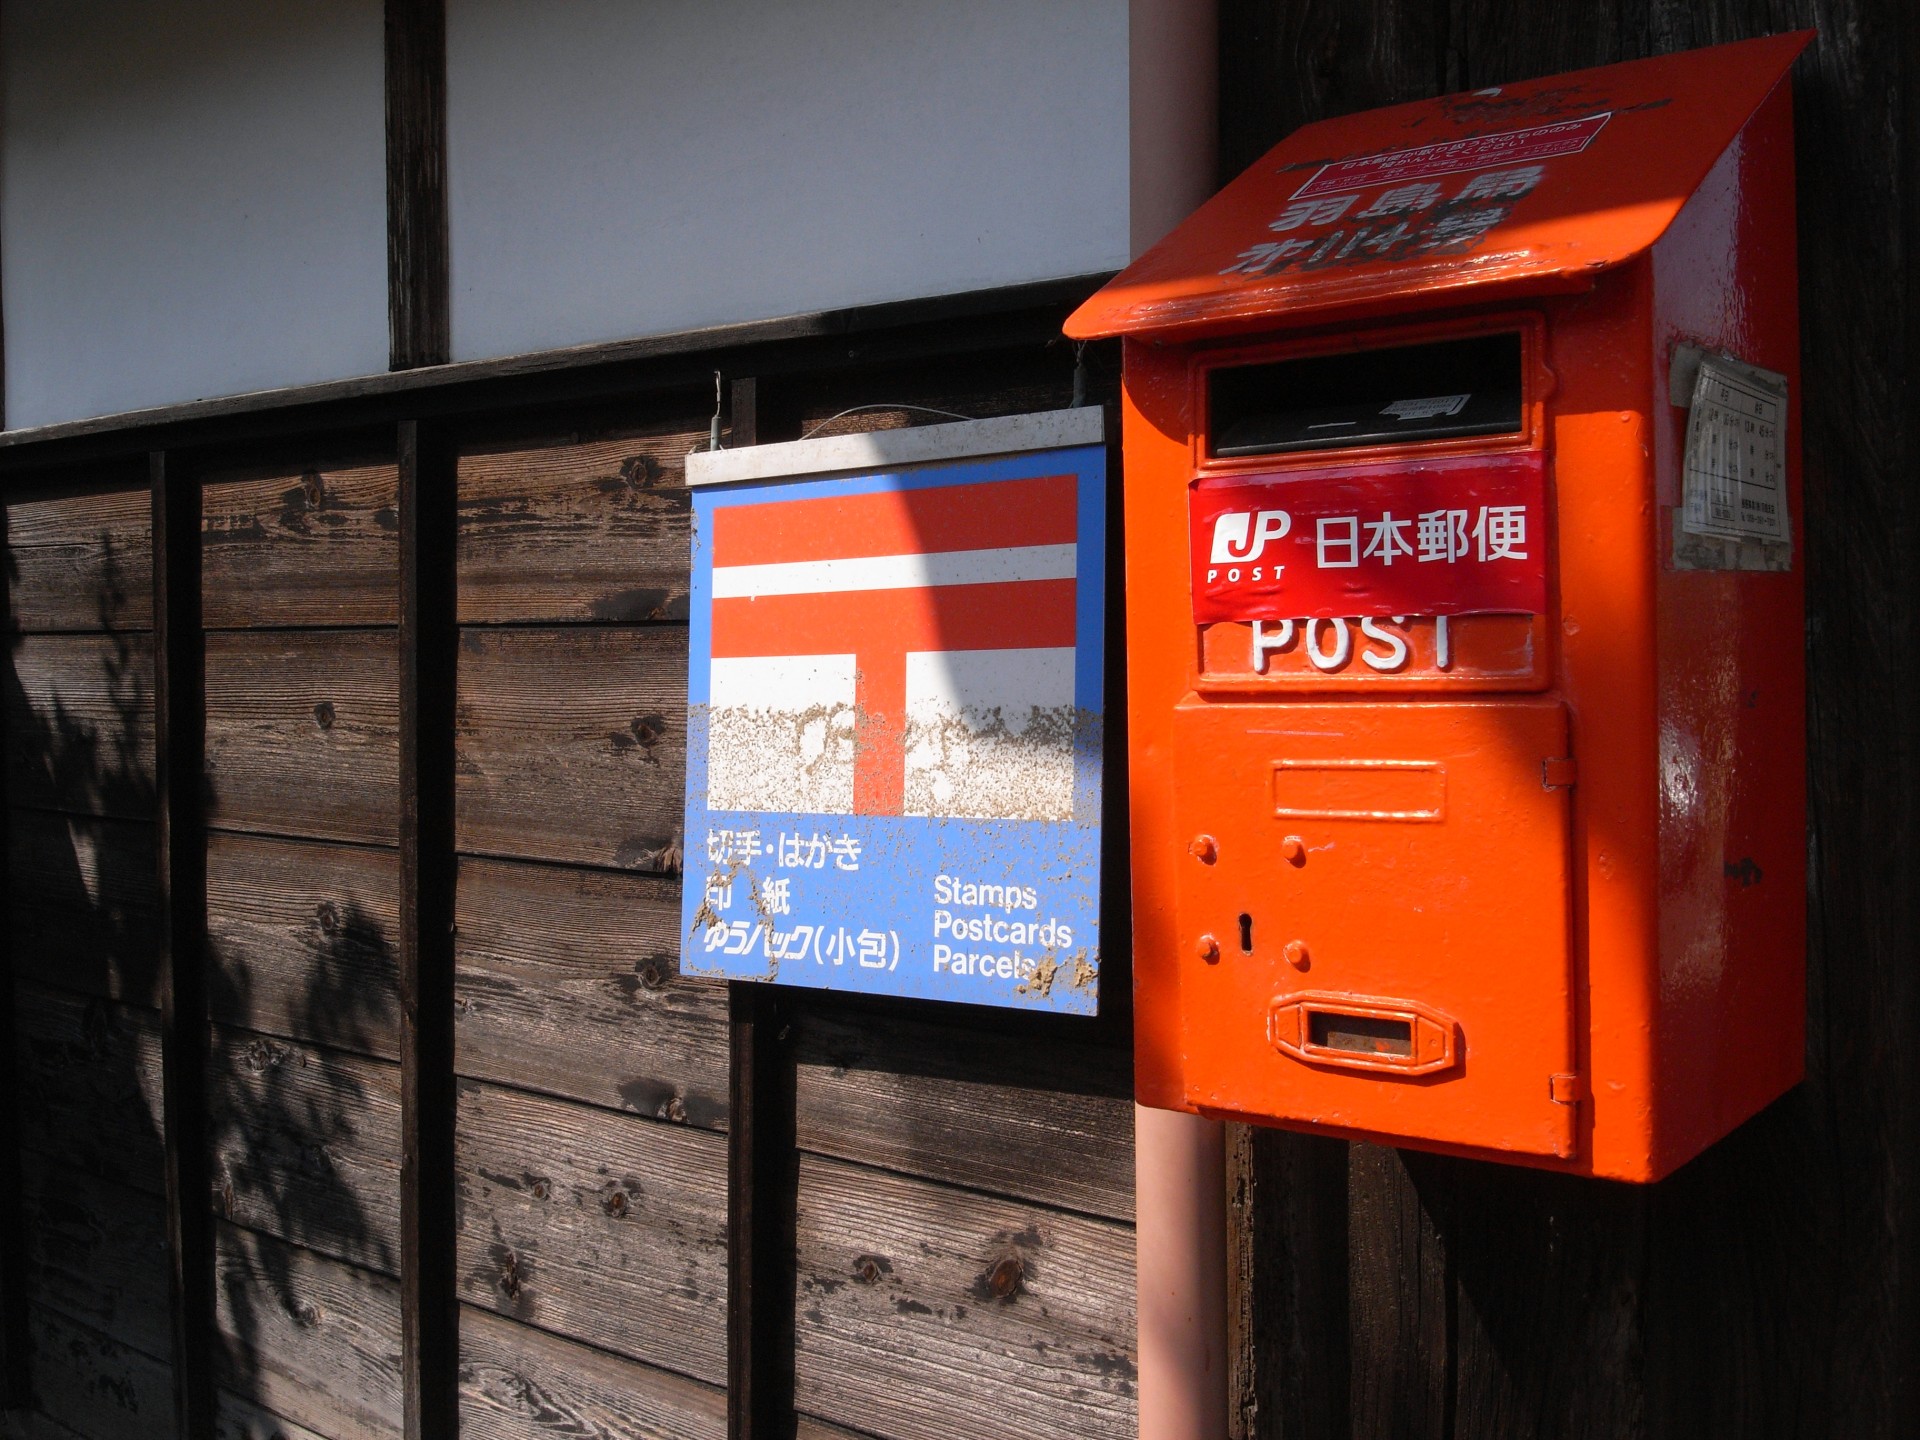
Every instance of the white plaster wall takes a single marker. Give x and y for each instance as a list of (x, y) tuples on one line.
[(192, 200), (625, 167)]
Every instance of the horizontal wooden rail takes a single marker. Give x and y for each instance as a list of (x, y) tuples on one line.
[(941, 326)]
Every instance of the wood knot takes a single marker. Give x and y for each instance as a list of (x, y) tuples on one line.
[(1003, 1281), (615, 1204), (867, 1270), (677, 1110), (652, 977), (323, 714), (541, 1189), (329, 917), (305, 1314), (313, 489)]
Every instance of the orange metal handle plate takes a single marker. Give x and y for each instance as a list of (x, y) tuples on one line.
[(1385, 1037)]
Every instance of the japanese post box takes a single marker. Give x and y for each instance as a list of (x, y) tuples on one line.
[(1465, 616)]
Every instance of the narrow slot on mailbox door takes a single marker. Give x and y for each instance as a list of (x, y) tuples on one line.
[(1362, 1034)]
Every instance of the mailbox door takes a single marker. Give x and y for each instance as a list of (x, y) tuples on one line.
[(1374, 913)]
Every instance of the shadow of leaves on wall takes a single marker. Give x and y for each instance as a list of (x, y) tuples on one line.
[(302, 1132)]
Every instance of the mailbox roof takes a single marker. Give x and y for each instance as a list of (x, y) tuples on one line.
[(1535, 185)]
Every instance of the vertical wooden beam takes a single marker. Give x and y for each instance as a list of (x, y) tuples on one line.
[(748, 1049), (419, 293), (758, 1384), (759, 1156), (179, 690), (3, 315), (15, 1380), (429, 1310), (1292, 1356), (15, 1376)]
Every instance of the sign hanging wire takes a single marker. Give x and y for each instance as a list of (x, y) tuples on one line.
[(883, 405)]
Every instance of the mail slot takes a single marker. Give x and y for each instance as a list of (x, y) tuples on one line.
[(1465, 615), (1443, 389)]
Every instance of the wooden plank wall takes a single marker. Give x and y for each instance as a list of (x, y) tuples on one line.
[(299, 600), (959, 1207), (953, 1214), (82, 892), (593, 1078), (964, 1185), (1768, 1289)]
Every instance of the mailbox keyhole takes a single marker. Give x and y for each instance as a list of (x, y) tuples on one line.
[(1246, 934)]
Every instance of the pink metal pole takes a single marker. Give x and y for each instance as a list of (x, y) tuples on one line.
[(1179, 1159), (1180, 1195)]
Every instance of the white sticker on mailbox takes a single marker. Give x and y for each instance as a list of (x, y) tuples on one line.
[(1735, 484)]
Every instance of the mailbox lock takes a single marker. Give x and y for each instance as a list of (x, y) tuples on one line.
[(1208, 949), (1204, 849), (1296, 953)]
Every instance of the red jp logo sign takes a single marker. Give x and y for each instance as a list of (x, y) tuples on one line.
[(1446, 537)]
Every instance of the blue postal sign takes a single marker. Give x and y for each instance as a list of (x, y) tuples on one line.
[(894, 729)]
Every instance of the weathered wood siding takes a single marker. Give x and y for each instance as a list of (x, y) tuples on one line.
[(952, 1205), (1769, 1288), (299, 593), (964, 1226), (589, 1144), (81, 884), (591, 1149)]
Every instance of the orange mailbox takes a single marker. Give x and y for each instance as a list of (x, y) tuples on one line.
[(1464, 613)]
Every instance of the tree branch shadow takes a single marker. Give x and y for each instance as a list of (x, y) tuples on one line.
[(298, 1155)]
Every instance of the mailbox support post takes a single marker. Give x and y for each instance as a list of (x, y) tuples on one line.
[(1180, 1211)]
